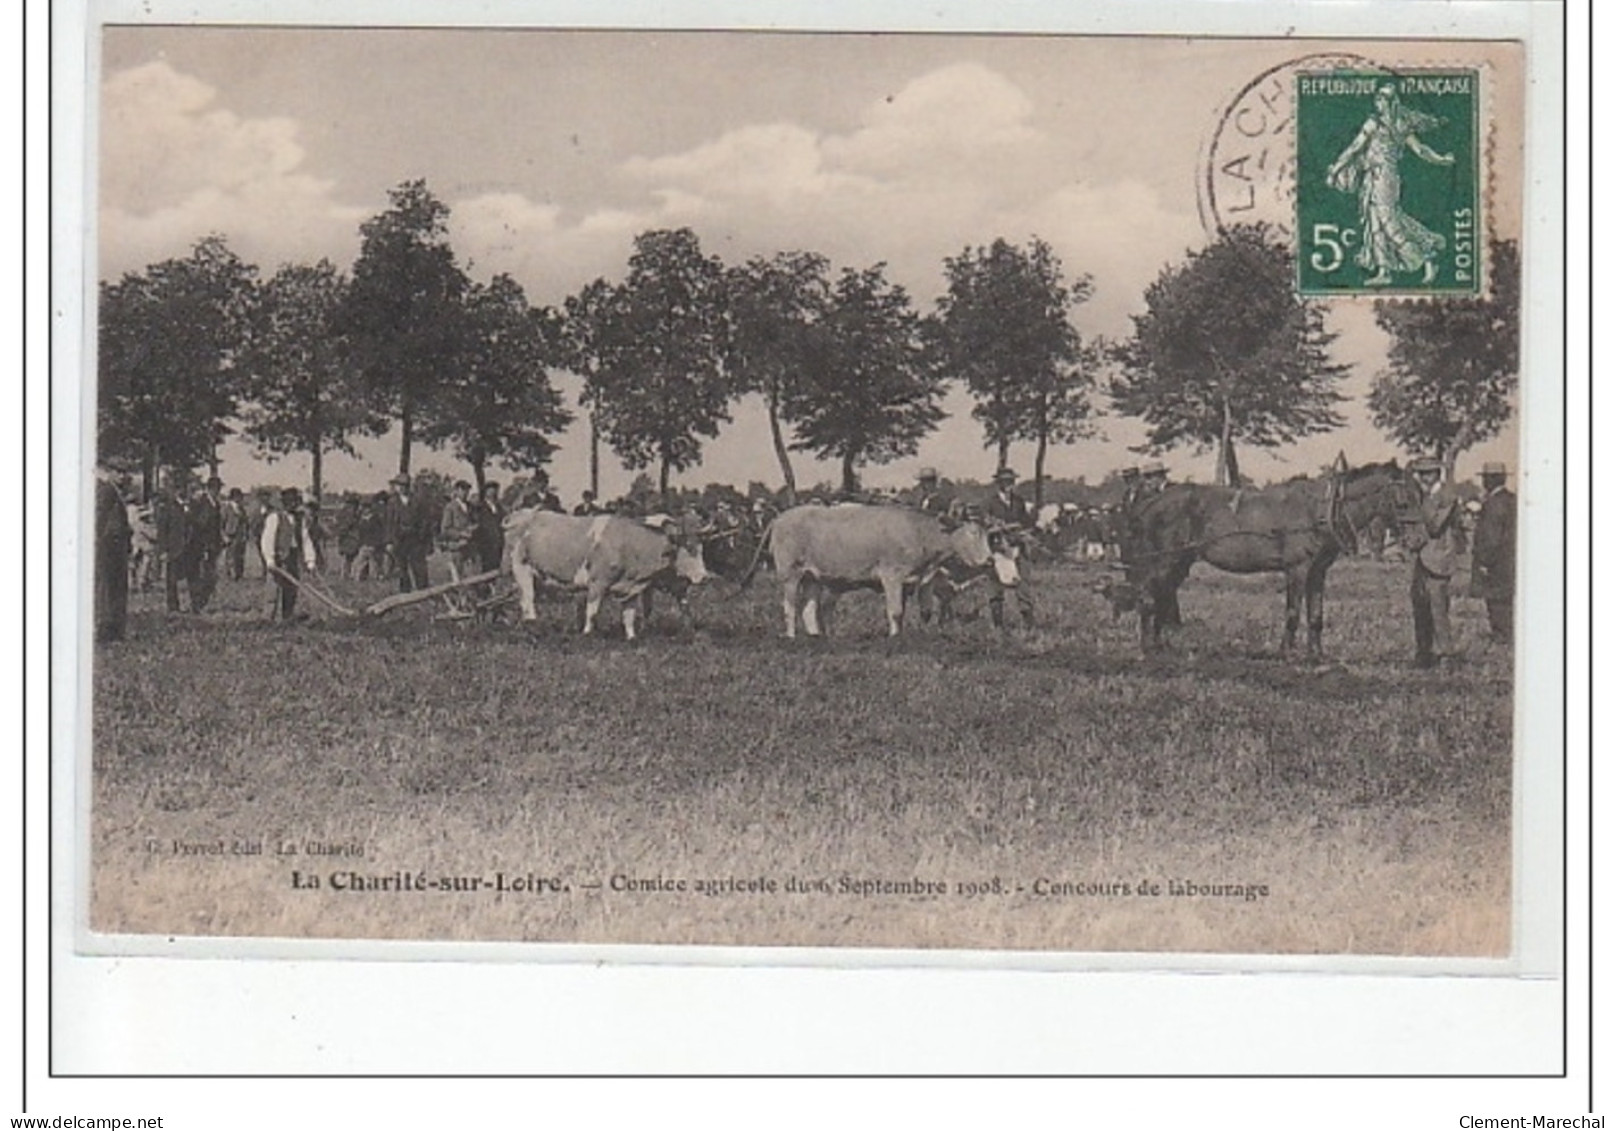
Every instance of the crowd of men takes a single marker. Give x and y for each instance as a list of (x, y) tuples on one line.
[(185, 536)]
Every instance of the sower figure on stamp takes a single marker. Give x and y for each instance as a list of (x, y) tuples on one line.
[(287, 546), (1008, 520), (1431, 536), (1494, 552), (1392, 240)]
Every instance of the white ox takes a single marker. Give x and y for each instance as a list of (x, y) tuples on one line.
[(600, 555), (829, 550)]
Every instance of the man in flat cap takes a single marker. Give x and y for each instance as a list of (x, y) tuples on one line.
[(1151, 479), (929, 495), (1129, 478), (1008, 520), (1494, 551), (1431, 534)]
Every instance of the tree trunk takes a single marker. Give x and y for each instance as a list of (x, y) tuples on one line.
[(1042, 452), (781, 452), (594, 456), (1003, 454), (849, 476), (479, 472), (406, 424), (1037, 469), (318, 469), (1227, 462), (667, 470)]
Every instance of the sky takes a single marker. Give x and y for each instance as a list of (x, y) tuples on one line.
[(553, 149)]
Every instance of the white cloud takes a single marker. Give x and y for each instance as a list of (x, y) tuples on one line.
[(1120, 234), (952, 158), (952, 119), (777, 163), (174, 168)]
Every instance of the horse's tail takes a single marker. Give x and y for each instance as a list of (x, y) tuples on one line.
[(757, 555)]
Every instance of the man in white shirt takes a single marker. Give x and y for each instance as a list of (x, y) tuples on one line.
[(288, 547)]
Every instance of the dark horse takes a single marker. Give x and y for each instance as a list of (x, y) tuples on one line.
[(1297, 529)]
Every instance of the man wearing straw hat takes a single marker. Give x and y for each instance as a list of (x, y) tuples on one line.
[(1494, 551)]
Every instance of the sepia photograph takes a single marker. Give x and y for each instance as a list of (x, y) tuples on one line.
[(1034, 494)]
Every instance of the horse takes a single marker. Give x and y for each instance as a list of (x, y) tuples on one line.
[(1297, 528)]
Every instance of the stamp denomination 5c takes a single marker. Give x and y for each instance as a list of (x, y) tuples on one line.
[(1388, 197)]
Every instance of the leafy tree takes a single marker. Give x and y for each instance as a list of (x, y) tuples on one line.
[(658, 342), (170, 338), (1225, 352), (777, 306), (872, 393), (403, 310), (1004, 327), (498, 405), (582, 327), (1454, 365), (301, 395)]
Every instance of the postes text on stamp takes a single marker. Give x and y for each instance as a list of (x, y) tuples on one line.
[(1388, 196)]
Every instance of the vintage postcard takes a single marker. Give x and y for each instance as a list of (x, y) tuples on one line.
[(1046, 494)]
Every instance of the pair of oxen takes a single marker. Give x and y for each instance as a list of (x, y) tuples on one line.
[(818, 552), (1297, 529)]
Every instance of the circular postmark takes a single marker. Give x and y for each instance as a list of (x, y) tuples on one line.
[(1247, 173)]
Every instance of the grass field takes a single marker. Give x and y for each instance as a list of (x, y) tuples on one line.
[(1046, 780)]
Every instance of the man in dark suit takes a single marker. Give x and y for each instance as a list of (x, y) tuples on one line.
[(1431, 534), (170, 511), (1494, 551), (204, 537), (113, 537), (408, 528)]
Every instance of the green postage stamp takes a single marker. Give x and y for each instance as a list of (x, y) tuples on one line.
[(1388, 197)]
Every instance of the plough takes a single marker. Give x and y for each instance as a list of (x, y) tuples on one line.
[(481, 607)]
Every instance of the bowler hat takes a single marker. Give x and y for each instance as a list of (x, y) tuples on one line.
[(399, 481), (1494, 468), (1425, 464), (927, 473), (1004, 475), (1154, 467)]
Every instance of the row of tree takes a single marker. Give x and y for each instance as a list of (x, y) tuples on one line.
[(195, 349)]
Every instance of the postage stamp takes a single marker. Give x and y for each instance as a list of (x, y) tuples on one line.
[(1388, 197)]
